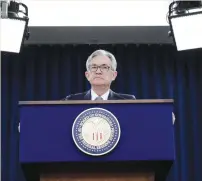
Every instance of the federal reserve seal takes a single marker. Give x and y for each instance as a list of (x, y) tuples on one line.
[(96, 131)]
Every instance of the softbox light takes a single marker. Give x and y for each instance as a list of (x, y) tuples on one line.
[(13, 29), (186, 28), (187, 31)]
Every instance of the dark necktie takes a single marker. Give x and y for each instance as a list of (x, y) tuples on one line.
[(99, 98)]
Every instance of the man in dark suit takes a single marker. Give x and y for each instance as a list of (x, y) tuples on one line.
[(100, 72)]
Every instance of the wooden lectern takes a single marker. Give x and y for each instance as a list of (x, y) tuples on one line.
[(145, 150)]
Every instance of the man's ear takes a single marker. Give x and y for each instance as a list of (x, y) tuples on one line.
[(87, 75), (114, 75)]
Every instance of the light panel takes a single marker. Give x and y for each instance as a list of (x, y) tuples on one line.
[(187, 31), (12, 32)]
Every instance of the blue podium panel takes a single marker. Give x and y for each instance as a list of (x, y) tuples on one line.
[(146, 132)]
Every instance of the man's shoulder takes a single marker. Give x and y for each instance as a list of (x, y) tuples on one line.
[(77, 96), (124, 96)]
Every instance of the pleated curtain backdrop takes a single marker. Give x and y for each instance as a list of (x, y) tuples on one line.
[(148, 72)]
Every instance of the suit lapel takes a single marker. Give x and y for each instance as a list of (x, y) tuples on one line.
[(112, 95), (87, 96)]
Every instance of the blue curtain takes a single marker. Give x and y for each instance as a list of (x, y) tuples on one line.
[(147, 71)]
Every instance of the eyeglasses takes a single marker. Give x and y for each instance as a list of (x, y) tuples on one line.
[(103, 68)]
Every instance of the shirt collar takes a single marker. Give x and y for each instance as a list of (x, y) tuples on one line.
[(94, 95)]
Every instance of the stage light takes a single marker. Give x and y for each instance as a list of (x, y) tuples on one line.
[(185, 19), (14, 26)]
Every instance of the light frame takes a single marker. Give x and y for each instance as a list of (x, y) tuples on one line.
[(25, 18), (184, 13)]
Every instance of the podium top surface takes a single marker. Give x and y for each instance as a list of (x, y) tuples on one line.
[(95, 102)]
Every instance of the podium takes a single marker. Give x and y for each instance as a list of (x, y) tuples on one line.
[(142, 149)]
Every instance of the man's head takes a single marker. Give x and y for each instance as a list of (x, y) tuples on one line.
[(101, 68)]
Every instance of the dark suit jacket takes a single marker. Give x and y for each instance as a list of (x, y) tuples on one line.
[(87, 96)]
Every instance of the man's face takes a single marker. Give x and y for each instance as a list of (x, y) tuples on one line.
[(100, 71)]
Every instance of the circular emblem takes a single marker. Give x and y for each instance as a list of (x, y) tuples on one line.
[(96, 131)]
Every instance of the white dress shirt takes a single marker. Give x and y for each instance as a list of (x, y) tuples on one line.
[(104, 96)]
